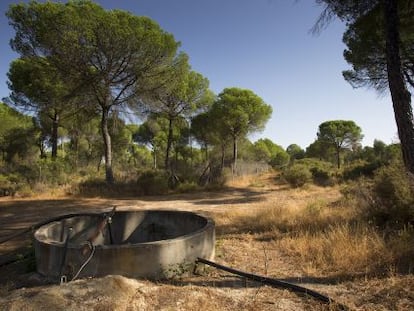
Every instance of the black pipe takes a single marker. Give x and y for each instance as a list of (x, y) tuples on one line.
[(276, 283)]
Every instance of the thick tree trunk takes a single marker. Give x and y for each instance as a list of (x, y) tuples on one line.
[(169, 143), (401, 97), (54, 138), (109, 175)]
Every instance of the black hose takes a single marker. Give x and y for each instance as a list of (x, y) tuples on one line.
[(276, 283)]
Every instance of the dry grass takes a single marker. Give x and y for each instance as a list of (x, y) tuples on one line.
[(324, 236), (339, 250)]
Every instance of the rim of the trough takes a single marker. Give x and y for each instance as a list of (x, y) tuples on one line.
[(209, 223)]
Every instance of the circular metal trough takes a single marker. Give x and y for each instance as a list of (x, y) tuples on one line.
[(155, 244)]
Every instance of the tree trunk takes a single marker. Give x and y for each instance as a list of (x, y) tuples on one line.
[(206, 151), (54, 138), (338, 157), (169, 143), (154, 158), (75, 146), (223, 155), (234, 154), (401, 97), (109, 175)]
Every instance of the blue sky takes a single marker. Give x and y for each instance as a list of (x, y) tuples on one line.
[(265, 46)]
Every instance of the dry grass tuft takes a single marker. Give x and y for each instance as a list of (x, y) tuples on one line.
[(339, 250), (242, 181), (324, 237)]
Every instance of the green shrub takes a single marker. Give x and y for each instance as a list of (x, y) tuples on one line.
[(322, 177), (360, 169), (153, 182), (393, 195), (53, 172), (387, 200), (323, 173), (187, 187), (10, 184), (91, 187), (297, 175), (95, 186)]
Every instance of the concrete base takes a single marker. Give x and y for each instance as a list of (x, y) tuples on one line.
[(137, 244)]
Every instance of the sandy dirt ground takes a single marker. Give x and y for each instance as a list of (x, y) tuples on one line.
[(213, 289)]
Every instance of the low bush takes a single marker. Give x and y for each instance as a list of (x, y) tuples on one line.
[(153, 182), (323, 173), (187, 187), (297, 175), (9, 184), (360, 169), (392, 197), (322, 177)]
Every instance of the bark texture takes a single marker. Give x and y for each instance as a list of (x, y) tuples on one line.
[(401, 97)]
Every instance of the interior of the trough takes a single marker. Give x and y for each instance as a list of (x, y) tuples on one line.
[(123, 228), (131, 243)]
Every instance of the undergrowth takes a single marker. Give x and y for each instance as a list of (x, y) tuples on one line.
[(332, 239)]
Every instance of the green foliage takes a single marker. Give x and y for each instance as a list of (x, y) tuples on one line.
[(238, 112), (203, 129), (393, 190), (297, 175), (9, 184), (320, 150), (295, 152), (20, 145), (366, 46), (97, 187), (340, 134), (323, 173), (380, 37), (186, 187), (366, 161), (115, 57), (18, 135), (322, 177), (183, 94), (388, 199), (267, 151), (53, 172), (241, 111), (153, 182), (279, 159), (360, 169)]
